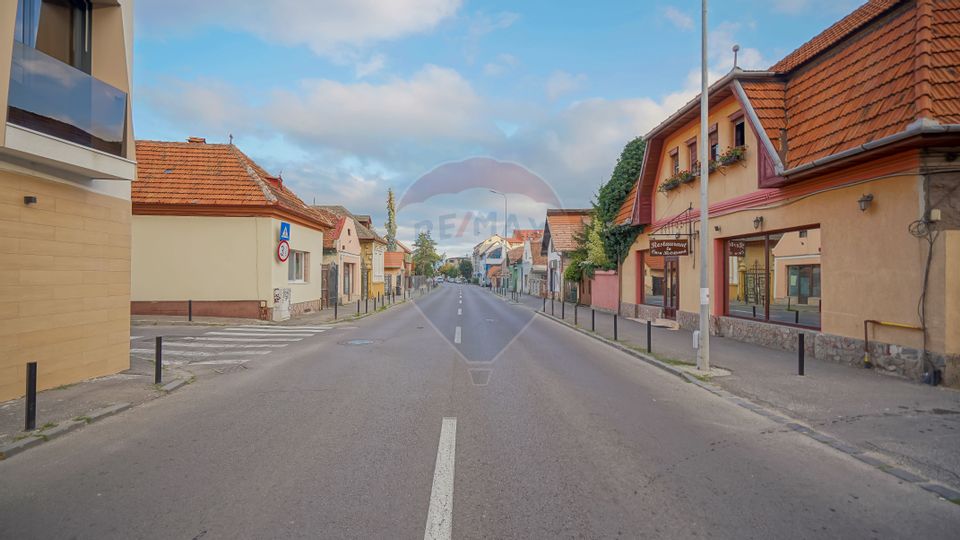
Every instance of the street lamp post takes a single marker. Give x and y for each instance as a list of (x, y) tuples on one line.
[(503, 249), (703, 351)]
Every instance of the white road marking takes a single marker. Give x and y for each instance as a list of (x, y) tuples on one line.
[(241, 339), (460, 301), (456, 335), (282, 330), (245, 326), (195, 353), (218, 362), (136, 337), (440, 515), (459, 311), (252, 334), (226, 345)]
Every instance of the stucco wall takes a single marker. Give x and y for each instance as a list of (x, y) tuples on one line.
[(64, 283), (603, 291)]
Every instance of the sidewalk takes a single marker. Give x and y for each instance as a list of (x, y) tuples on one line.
[(914, 425), (324, 316)]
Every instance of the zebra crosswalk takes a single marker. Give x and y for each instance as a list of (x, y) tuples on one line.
[(226, 346)]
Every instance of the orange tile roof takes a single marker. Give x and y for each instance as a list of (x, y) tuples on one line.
[(494, 271), (829, 37), (767, 99), (945, 62), (515, 255), (363, 232), (393, 259), (563, 225), (519, 235), (211, 179)]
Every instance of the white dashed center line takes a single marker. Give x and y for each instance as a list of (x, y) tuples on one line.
[(440, 515), (456, 335), (459, 311)]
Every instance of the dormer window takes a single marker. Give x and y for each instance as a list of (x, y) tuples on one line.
[(739, 133), (675, 161)]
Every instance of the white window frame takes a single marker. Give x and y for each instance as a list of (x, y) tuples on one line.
[(298, 260)]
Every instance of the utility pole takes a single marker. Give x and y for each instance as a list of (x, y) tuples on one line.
[(703, 351), (503, 249)]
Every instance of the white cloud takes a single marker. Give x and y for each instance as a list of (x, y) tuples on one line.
[(330, 28), (374, 64), (503, 63), (480, 24), (560, 83), (679, 19), (722, 38)]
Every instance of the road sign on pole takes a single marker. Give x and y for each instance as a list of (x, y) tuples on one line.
[(283, 251)]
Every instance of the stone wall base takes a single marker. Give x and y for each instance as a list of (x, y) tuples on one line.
[(887, 358), (244, 309)]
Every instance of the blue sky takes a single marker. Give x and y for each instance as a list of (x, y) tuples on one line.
[(349, 97)]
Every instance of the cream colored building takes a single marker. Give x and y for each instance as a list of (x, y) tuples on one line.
[(66, 162), (833, 200), (207, 230)]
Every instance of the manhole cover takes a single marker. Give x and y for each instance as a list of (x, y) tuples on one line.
[(358, 342)]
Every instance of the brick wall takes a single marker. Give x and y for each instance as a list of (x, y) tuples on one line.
[(64, 283)]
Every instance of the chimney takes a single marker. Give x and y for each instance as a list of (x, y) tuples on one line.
[(196, 140)]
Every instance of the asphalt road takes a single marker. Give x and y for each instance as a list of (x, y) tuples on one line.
[(556, 436)]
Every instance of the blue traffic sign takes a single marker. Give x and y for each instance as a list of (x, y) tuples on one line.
[(284, 231)]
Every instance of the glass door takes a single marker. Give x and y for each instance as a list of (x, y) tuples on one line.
[(671, 287)]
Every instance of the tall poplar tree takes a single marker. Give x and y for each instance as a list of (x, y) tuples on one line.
[(391, 221)]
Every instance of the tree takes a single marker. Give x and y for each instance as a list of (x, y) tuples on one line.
[(618, 238), (391, 222), (450, 270), (425, 255), (466, 268)]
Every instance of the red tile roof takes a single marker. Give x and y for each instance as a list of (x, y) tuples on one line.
[(515, 255), (519, 235), (563, 225), (211, 179), (829, 37), (363, 232), (393, 259)]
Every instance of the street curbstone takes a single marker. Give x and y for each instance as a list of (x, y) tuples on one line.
[(943, 491), (903, 475), (173, 385), (15, 448), (98, 414), (870, 460), (60, 429)]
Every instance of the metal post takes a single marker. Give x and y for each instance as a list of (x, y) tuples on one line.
[(796, 317), (366, 305), (754, 311), (190, 310), (575, 313), (544, 304), (593, 320), (335, 304), (158, 361), (563, 309), (703, 352), (30, 412), (552, 311), (649, 337), (358, 306), (614, 326), (800, 353)]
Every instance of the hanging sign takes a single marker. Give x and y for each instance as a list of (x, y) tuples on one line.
[(738, 248), (283, 251), (671, 247)]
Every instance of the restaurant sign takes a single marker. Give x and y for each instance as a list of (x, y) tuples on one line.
[(738, 248), (678, 246)]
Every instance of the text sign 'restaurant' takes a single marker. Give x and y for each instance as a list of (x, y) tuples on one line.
[(678, 246)]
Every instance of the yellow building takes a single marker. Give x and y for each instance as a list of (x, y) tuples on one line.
[(833, 199), (215, 233), (66, 163), (372, 249)]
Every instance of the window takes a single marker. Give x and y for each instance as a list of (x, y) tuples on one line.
[(714, 142), (297, 266), (674, 161), (739, 135), (652, 275), (775, 277), (692, 153), (58, 28)]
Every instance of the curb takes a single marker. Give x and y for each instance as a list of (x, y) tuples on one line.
[(173, 385), (37, 438), (851, 450)]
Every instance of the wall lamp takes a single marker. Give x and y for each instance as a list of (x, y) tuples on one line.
[(865, 201), (29, 199), (757, 222)]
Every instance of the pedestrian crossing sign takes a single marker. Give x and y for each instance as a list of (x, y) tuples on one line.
[(284, 231)]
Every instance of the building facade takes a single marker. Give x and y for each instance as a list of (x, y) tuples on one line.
[(563, 225), (208, 223), (67, 159), (834, 208)]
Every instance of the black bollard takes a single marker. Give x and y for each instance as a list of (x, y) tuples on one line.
[(575, 313), (649, 337), (563, 309), (614, 326), (30, 411), (593, 320), (158, 362), (800, 353), (335, 304), (544, 304), (190, 310), (552, 310), (366, 305), (358, 306)]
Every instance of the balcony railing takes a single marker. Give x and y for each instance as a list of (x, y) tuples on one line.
[(54, 98)]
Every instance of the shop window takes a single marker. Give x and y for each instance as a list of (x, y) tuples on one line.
[(652, 275), (297, 267), (739, 133), (775, 277)]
